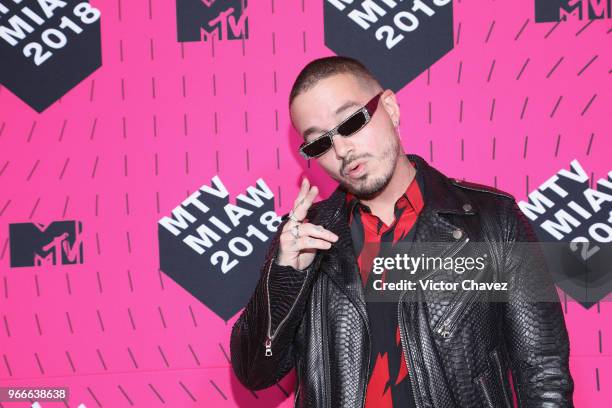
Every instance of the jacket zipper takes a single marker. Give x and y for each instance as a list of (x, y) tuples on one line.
[(445, 326), (298, 388), (270, 337), (297, 395), (367, 366), (325, 345), (501, 377), (324, 336), (408, 351), (407, 355), (485, 391)]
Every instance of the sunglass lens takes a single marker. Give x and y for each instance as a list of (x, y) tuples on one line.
[(353, 124), (317, 147)]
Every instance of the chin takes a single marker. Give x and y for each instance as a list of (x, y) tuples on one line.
[(367, 188)]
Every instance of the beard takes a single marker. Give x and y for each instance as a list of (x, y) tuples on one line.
[(367, 186)]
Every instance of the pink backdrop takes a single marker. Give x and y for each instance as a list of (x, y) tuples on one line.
[(119, 332)]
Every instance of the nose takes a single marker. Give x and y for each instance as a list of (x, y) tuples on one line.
[(342, 146)]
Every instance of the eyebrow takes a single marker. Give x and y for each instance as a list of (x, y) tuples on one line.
[(346, 105)]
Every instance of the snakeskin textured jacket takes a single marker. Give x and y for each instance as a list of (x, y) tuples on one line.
[(460, 351)]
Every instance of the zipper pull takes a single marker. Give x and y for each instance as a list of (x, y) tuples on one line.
[(443, 330), (268, 347)]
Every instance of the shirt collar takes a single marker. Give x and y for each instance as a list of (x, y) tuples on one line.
[(413, 195)]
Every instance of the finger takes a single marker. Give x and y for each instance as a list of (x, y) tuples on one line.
[(289, 224), (317, 231), (304, 187), (301, 207), (310, 197), (304, 190), (305, 243), (288, 233)]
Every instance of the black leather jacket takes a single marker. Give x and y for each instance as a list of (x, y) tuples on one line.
[(459, 351)]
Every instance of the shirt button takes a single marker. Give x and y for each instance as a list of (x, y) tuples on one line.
[(457, 234), (467, 207)]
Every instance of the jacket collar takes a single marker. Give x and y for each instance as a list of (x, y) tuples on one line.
[(440, 193)]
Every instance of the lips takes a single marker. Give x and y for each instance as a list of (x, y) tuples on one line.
[(356, 169)]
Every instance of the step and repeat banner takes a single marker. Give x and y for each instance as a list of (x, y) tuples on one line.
[(146, 153)]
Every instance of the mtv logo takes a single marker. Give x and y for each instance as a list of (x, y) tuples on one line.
[(573, 221), (396, 41), (563, 10), (34, 244), (41, 62), (215, 248), (224, 19)]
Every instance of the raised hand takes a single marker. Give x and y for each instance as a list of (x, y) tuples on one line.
[(300, 240)]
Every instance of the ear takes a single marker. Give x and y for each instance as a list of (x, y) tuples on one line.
[(389, 102)]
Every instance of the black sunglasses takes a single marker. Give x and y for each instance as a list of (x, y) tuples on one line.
[(347, 127)]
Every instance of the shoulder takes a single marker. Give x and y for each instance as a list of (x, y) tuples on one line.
[(475, 188), (497, 206)]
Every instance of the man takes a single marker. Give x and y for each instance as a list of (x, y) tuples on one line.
[(424, 348)]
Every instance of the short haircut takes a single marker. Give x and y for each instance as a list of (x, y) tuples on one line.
[(322, 68)]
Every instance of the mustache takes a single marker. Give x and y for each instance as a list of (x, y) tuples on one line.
[(348, 163)]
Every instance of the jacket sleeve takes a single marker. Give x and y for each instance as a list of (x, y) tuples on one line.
[(275, 310), (537, 338)]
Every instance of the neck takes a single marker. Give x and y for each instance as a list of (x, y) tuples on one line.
[(383, 204)]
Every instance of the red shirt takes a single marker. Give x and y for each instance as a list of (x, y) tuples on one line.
[(388, 385)]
